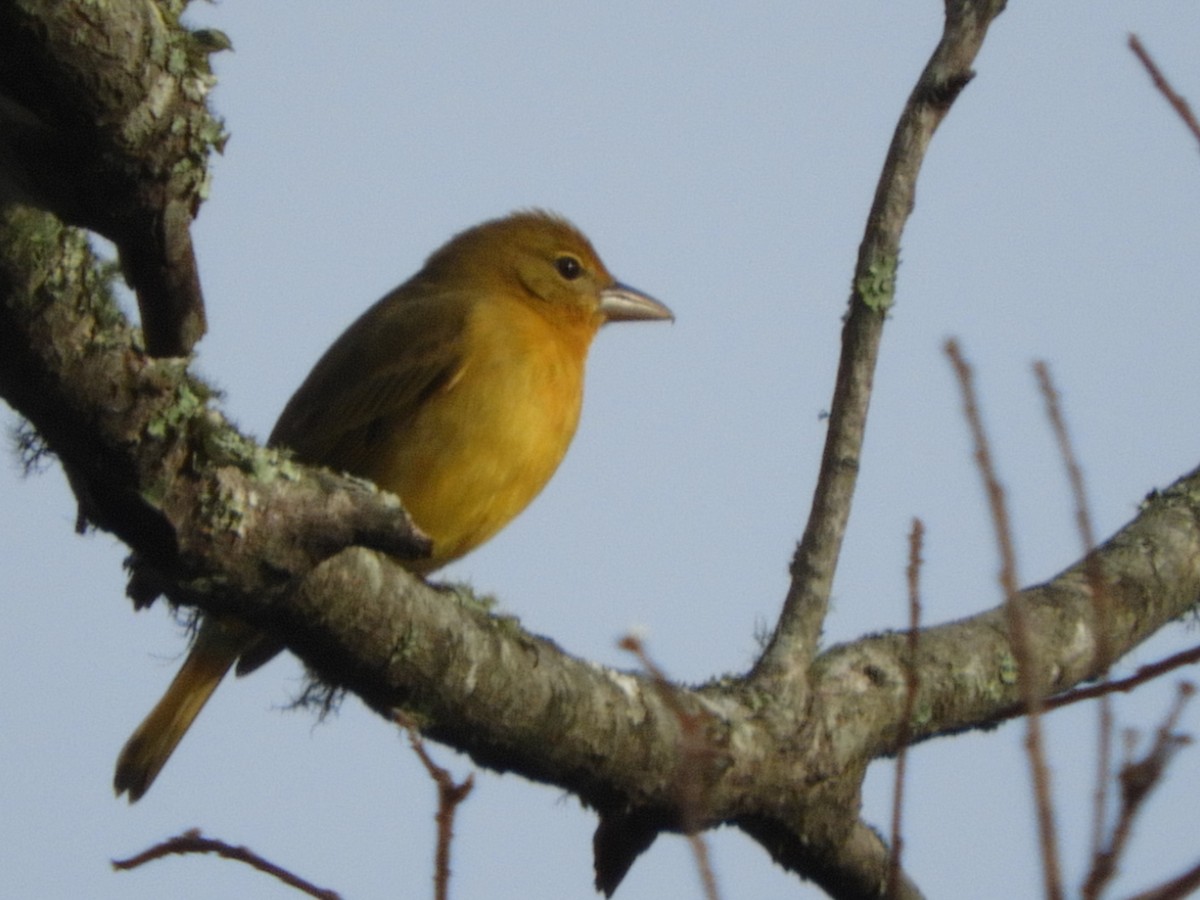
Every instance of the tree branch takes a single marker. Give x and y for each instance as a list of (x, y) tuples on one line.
[(794, 642), (103, 122), (315, 559)]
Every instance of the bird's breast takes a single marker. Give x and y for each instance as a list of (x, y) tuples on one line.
[(487, 442)]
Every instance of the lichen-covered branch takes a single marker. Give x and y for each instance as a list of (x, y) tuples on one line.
[(797, 634), (103, 121), (205, 511)]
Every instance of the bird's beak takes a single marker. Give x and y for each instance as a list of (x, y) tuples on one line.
[(621, 303)]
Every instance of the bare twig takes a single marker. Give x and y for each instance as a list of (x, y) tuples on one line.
[(695, 756), (1083, 518), (450, 795), (1018, 628), (1177, 888), (191, 841), (1164, 87), (1143, 675), (1100, 600), (1138, 780), (795, 640), (912, 677)]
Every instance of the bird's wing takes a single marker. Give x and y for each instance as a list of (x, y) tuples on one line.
[(377, 374)]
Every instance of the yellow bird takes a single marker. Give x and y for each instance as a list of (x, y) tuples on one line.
[(459, 391)]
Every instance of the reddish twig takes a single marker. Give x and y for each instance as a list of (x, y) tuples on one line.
[(450, 795), (695, 755), (1083, 518), (1177, 888), (912, 677), (191, 841), (1164, 87), (1018, 628), (1101, 606), (1145, 674), (1138, 780)]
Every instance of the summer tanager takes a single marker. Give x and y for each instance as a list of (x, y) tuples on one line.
[(459, 391)]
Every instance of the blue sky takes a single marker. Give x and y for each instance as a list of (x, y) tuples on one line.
[(723, 160)]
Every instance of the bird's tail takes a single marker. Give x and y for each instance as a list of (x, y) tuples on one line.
[(217, 647)]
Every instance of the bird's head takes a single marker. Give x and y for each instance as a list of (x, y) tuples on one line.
[(547, 261)]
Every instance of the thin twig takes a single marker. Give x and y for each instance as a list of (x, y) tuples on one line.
[(695, 756), (1164, 87), (1138, 780), (1177, 888), (450, 795), (1143, 675), (1018, 627), (912, 678), (1083, 517), (1101, 604), (191, 841), (795, 641)]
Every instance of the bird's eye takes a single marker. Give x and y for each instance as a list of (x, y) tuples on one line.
[(568, 267)]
